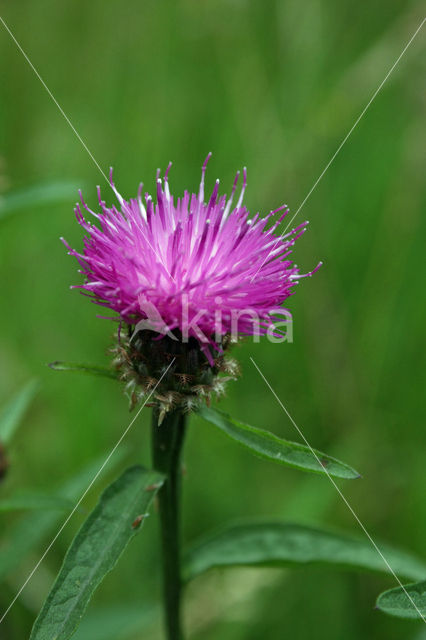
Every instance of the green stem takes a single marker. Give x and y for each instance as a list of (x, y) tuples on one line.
[(167, 441)]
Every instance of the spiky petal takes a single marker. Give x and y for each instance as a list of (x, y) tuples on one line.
[(203, 265)]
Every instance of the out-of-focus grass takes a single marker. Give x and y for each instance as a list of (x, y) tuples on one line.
[(275, 86)]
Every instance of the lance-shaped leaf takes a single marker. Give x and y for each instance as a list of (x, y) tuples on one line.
[(79, 367), (95, 550), (279, 544), (36, 195), (409, 602), (12, 414), (269, 446)]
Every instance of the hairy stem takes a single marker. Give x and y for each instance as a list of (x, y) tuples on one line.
[(167, 441)]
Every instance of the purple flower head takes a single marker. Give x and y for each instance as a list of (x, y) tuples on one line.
[(204, 267)]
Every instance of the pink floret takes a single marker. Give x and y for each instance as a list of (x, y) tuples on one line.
[(206, 255)]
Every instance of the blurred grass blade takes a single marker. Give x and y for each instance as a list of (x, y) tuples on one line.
[(95, 551), (395, 602), (14, 411), (36, 501), (116, 622), (36, 196), (28, 532), (269, 446), (89, 369), (278, 544)]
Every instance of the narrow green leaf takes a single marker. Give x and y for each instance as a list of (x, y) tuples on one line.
[(395, 602), (14, 411), (284, 544), (36, 501), (95, 551), (28, 532), (89, 369), (269, 446), (36, 195)]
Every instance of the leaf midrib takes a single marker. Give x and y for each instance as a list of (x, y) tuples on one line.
[(97, 564)]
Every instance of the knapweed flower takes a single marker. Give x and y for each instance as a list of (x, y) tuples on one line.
[(194, 271)]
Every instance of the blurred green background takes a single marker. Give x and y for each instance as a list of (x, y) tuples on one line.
[(273, 85)]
